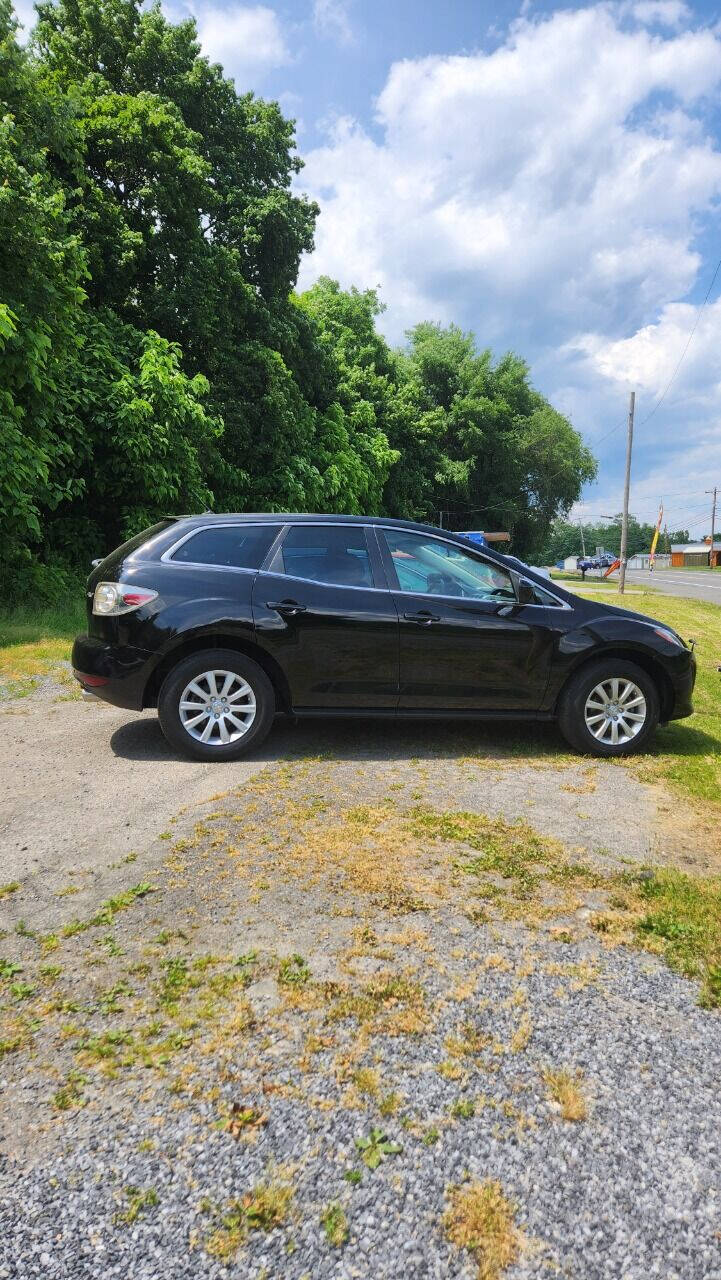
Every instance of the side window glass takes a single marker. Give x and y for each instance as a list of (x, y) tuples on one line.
[(545, 597), (335, 554), (230, 546), (427, 566)]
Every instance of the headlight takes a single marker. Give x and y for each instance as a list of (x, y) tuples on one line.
[(670, 637)]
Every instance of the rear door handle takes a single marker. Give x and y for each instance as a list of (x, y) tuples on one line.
[(287, 607), (423, 618)]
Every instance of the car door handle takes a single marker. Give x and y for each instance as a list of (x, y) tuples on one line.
[(287, 607), (423, 618)]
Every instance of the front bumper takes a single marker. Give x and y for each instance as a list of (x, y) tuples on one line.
[(682, 683), (116, 673)]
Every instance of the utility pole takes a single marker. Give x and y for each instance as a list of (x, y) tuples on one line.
[(626, 492), (713, 525), (583, 541)]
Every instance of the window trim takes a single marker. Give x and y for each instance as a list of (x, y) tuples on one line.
[(374, 556), (167, 556), (471, 551), (377, 549)]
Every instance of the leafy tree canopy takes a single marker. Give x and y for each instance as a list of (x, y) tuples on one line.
[(153, 355)]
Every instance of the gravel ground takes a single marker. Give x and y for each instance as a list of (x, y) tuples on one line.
[(632, 1192), (301, 965)]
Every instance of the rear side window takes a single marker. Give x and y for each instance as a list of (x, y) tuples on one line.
[(335, 554), (230, 546)]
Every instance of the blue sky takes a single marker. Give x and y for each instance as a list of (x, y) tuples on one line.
[(548, 177)]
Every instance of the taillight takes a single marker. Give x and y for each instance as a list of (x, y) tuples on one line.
[(112, 598)]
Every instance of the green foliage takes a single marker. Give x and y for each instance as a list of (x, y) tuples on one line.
[(335, 1225), (683, 922), (153, 357), (376, 1147), (503, 457)]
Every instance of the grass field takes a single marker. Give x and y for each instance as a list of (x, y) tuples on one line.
[(34, 641)]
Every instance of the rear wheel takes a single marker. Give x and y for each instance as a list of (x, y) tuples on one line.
[(216, 705), (610, 708)]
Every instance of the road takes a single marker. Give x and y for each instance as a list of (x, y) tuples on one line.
[(90, 783), (697, 584)]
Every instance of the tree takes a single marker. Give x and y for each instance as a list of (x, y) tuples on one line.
[(153, 354), (43, 271), (564, 538), (504, 457), (143, 435), (185, 207)]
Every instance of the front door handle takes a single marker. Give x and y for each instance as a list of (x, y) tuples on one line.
[(289, 608), (423, 618)]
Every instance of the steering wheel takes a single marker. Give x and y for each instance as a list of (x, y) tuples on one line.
[(440, 584)]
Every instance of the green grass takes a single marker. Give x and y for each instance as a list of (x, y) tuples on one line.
[(34, 640)]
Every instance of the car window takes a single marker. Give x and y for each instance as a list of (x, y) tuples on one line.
[(234, 546), (545, 597), (325, 553), (431, 567)]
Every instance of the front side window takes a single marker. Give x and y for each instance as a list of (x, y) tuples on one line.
[(427, 566), (335, 554), (230, 546)]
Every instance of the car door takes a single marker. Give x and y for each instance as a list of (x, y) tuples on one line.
[(324, 612), (466, 644)]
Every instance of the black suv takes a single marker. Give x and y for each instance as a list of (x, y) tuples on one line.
[(222, 620)]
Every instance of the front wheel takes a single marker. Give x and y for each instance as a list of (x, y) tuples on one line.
[(216, 705), (610, 708)]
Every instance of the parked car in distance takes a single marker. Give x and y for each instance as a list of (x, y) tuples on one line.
[(220, 621)]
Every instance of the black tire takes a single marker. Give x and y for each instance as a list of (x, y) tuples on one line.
[(213, 660), (572, 707)]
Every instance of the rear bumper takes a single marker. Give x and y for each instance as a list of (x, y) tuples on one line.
[(116, 673)]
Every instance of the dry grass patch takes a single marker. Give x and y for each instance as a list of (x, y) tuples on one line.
[(566, 1090), (522, 1035), (480, 1219), (265, 1207), (369, 851), (388, 1003)]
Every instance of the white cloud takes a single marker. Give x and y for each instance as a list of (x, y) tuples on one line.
[(331, 18), (666, 13), (247, 40), (551, 188), (544, 171), (25, 14), (650, 357)]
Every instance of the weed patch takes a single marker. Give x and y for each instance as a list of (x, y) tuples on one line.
[(566, 1090), (375, 1148), (265, 1207), (480, 1219), (335, 1225), (139, 1202)]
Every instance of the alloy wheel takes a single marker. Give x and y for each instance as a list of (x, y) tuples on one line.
[(217, 707), (615, 711)]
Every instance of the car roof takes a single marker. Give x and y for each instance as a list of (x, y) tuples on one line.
[(309, 517)]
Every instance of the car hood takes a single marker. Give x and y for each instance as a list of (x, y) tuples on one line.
[(633, 616)]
